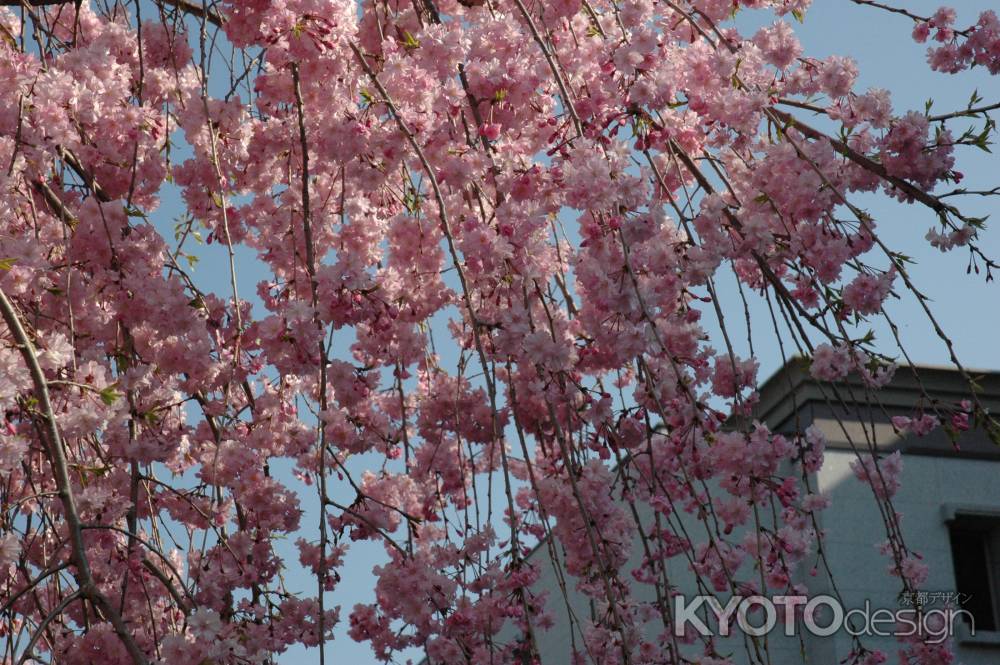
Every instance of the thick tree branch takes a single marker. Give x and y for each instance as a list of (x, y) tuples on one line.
[(57, 458)]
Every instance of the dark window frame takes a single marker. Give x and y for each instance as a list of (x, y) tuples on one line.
[(974, 539)]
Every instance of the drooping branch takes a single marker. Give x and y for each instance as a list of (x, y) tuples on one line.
[(57, 458), (185, 6)]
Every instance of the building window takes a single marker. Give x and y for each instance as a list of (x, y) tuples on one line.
[(975, 550)]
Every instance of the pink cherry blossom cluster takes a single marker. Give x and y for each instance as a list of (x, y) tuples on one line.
[(486, 239), (884, 476), (977, 45)]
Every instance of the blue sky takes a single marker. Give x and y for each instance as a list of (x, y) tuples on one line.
[(966, 305), (887, 58)]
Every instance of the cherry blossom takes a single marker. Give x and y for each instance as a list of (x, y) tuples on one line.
[(482, 328)]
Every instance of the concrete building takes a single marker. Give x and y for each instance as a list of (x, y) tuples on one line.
[(950, 502)]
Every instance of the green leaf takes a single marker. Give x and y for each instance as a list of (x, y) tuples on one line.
[(7, 264), (993, 431), (412, 201), (109, 395), (409, 41)]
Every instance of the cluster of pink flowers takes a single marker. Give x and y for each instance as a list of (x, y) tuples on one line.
[(919, 426), (484, 240), (883, 475), (948, 241), (866, 293), (977, 45)]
